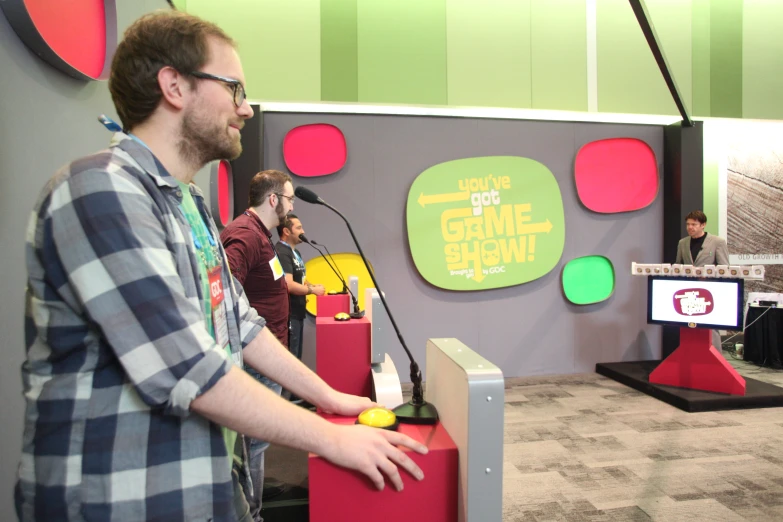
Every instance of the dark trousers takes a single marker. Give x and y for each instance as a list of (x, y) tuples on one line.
[(295, 329)]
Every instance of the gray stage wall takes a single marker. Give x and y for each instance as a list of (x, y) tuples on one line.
[(528, 329)]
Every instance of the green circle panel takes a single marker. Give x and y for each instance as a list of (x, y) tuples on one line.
[(588, 280)]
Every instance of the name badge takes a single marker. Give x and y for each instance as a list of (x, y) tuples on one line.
[(277, 268), (219, 322)]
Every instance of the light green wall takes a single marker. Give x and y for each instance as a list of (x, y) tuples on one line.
[(726, 55), (402, 51), (762, 59), (279, 42), (488, 53), (629, 80), (558, 54), (339, 51)]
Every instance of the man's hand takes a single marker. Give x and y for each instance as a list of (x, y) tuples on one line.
[(345, 404), (318, 289), (373, 451)]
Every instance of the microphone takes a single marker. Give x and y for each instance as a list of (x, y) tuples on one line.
[(308, 196), (356, 314), (417, 410)]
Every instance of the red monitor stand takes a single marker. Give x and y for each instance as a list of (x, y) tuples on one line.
[(696, 364)]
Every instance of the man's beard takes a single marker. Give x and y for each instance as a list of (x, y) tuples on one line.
[(202, 141), (280, 211)]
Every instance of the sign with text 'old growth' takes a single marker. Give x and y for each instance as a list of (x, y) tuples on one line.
[(488, 222)]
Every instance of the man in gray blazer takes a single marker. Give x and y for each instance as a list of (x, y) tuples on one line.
[(699, 248)]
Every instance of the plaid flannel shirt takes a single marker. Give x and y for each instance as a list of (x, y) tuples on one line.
[(117, 349)]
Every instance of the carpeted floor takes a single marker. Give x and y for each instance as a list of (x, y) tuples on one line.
[(586, 448)]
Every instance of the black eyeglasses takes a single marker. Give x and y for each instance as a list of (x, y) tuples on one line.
[(239, 89), (290, 198)]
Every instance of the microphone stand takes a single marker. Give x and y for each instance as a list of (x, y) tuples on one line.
[(342, 277), (356, 314), (417, 410)]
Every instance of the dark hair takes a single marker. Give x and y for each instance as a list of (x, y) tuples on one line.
[(286, 224), (160, 39), (265, 183), (698, 215)]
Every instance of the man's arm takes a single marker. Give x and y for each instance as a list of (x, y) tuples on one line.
[(242, 404), (239, 254), (295, 288), (267, 356), (721, 252), (678, 260)]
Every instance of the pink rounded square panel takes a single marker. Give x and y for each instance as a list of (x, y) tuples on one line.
[(76, 36), (616, 175), (315, 150), (225, 191)]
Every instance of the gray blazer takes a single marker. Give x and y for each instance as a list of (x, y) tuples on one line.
[(713, 252)]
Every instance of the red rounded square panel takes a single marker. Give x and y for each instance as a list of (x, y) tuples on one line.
[(225, 192), (616, 175), (315, 150), (76, 36)]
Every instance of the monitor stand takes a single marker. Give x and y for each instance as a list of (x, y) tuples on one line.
[(697, 365)]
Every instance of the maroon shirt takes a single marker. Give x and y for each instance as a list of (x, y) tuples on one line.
[(249, 249)]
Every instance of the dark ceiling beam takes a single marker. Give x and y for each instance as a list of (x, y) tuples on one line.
[(643, 17)]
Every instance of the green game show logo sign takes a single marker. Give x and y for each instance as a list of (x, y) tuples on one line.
[(481, 223)]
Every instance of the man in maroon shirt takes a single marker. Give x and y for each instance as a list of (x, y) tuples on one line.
[(253, 261)]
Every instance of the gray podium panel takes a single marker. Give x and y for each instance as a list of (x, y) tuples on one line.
[(469, 393)]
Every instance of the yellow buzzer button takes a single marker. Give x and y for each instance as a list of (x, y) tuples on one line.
[(378, 417), (341, 316), (332, 292)]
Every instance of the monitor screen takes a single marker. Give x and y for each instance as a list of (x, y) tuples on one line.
[(698, 303)]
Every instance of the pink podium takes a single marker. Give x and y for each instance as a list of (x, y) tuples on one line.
[(329, 305), (338, 494), (696, 364), (342, 357)]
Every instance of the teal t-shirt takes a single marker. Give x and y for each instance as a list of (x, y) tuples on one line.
[(208, 258)]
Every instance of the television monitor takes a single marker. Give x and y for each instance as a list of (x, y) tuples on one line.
[(696, 303)]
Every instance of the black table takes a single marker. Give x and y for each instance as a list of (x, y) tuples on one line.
[(764, 338)]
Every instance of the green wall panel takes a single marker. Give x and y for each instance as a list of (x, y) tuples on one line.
[(279, 42), (726, 58), (628, 77), (700, 26), (559, 54), (402, 51), (339, 51), (488, 48), (762, 59)]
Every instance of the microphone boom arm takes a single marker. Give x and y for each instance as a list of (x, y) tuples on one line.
[(418, 394)]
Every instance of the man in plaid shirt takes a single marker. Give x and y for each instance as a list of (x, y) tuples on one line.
[(136, 331)]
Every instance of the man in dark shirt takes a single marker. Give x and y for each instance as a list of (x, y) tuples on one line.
[(298, 285), (253, 261)]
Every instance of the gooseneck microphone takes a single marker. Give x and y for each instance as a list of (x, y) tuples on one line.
[(417, 410), (356, 314)]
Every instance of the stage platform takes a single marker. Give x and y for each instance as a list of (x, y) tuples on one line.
[(636, 374)]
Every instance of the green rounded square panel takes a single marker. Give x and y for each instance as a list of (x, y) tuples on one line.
[(588, 280), (486, 222)]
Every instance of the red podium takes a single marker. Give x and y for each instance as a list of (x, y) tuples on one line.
[(329, 305), (696, 364), (342, 354), (338, 494)]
